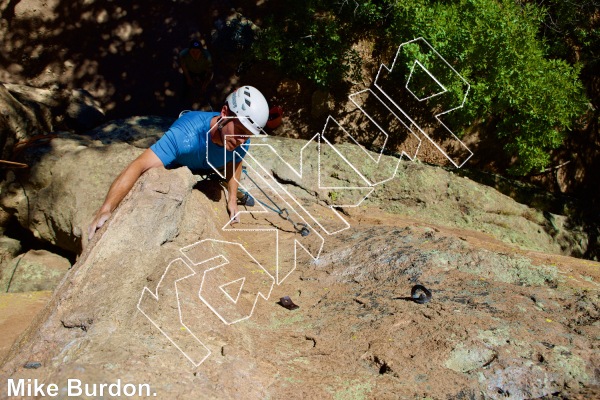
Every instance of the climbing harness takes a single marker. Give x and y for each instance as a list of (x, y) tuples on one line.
[(248, 200)]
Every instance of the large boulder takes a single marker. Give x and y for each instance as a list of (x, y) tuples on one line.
[(155, 291), (9, 248), (35, 270), (4, 221), (428, 193), (69, 177), (163, 286)]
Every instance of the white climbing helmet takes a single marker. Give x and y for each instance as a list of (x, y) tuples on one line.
[(250, 105)]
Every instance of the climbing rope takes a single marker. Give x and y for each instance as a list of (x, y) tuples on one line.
[(302, 228)]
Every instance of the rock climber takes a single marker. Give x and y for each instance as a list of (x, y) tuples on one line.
[(197, 140), (196, 64)]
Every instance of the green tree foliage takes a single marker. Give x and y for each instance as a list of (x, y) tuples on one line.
[(522, 88), (306, 39), (529, 101), (572, 31)]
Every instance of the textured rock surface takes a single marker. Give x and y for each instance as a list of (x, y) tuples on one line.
[(17, 310), (423, 192), (70, 176), (502, 322), (9, 248), (35, 270), (143, 306)]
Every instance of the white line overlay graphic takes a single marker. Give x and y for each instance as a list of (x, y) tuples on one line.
[(226, 278)]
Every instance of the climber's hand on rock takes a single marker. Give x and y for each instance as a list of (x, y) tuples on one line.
[(233, 210), (99, 220)]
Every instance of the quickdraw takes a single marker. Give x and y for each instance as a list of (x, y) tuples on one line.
[(301, 227)]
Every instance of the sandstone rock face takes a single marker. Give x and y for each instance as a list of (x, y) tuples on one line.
[(4, 220), (35, 270), (57, 197), (18, 310), (169, 296), (165, 296), (419, 191), (9, 248)]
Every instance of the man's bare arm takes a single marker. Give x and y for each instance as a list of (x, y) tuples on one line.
[(232, 187), (121, 186)]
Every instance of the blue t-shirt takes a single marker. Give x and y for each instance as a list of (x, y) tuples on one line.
[(185, 144)]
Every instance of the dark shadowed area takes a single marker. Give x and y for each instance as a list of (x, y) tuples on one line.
[(123, 53)]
